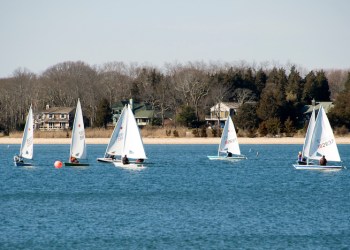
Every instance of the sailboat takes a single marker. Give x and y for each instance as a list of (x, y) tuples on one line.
[(228, 147), (111, 150), (78, 146), (319, 141), (128, 141), (26, 150)]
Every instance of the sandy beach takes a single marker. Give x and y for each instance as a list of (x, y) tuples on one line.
[(171, 140)]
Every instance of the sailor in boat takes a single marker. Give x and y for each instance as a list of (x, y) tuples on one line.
[(229, 154), (323, 161), (301, 160), (125, 160), (73, 159), (18, 159)]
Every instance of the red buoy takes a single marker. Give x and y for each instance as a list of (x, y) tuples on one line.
[(58, 164)]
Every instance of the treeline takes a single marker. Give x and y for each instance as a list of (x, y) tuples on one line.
[(272, 98)]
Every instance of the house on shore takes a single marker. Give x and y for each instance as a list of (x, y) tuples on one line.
[(307, 109), (143, 112), (55, 118), (220, 112)]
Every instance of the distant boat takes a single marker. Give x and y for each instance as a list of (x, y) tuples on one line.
[(78, 146), (26, 150), (113, 153), (228, 148), (128, 141), (319, 141)]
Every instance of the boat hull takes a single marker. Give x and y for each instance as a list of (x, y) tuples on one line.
[(316, 167), (131, 166), (71, 164), (225, 158), (107, 160), (22, 164)]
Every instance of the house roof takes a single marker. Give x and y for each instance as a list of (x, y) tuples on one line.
[(57, 110), (326, 106), (144, 114), (225, 106), (136, 105)]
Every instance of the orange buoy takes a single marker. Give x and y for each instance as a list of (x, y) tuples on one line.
[(58, 164)]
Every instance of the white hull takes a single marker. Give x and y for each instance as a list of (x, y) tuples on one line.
[(225, 158), (107, 160), (131, 166), (316, 167)]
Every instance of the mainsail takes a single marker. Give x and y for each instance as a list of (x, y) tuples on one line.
[(26, 150), (323, 141), (308, 136), (78, 146), (229, 142)]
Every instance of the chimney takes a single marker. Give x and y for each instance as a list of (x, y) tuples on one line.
[(131, 103), (47, 106), (313, 102)]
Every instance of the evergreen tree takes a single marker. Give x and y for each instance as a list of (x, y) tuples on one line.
[(347, 83), (340, 113), (103, 115), (186, 116), (322, 92), (246, 118), (260, 82), (309, 91), (294, 84), (268, 105)]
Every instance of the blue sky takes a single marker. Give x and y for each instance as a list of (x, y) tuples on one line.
[(38, 34)]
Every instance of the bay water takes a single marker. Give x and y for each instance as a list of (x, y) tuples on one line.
[(181, 200)]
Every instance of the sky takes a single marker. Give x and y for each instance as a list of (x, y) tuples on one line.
[(38, 34)]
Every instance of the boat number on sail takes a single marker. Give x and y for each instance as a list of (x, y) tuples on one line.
[(29, 141), (82, 135), (230, 141), (325, 144)]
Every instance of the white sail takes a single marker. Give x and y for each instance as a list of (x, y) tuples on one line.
[(229, 142), (133, 146), (116, 143), (127, 139), (323, 141), (308, 136), (78, 146), (26, 150)]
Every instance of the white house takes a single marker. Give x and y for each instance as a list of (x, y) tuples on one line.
[(221, 111)]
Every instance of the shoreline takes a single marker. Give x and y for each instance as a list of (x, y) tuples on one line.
[(172, 140)]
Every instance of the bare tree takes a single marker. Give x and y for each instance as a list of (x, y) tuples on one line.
[(243, 95)]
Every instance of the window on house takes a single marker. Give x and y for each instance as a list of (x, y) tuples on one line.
[(62, 125), (51, 116), (51, 125), (63, 116)]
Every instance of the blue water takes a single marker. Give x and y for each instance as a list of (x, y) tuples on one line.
[(180, 201)]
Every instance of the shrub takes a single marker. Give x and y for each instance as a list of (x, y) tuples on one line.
[(204, 132), (214, 132), (176, 134), (343, 130), (195, 132)]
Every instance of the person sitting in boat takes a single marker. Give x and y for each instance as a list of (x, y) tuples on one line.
[(140, 160), (323, 161), (125, 160), (17, 158), (229, 154), (301, 159), (73, 159)]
